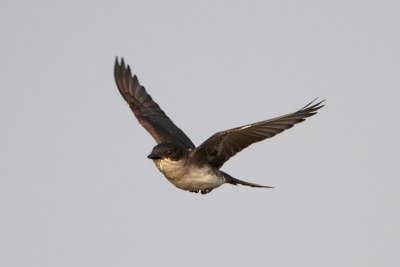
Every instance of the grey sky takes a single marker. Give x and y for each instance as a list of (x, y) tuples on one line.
[(76, 188)]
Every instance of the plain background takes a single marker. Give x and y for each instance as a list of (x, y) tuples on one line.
[(76, 188)]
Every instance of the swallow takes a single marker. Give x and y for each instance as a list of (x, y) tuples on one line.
[(191, 168)]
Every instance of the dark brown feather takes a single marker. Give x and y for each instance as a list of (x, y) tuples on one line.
[(148, 112), (217, 149)]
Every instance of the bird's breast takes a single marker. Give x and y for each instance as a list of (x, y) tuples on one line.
[(189, 177)]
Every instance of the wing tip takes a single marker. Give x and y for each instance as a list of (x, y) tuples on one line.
[(119, 67), (118, 60), (312, 104), (312, 107)]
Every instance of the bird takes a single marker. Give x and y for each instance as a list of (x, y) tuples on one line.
[(191, 168)]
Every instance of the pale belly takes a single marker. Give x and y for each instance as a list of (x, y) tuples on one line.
[(193, 179)]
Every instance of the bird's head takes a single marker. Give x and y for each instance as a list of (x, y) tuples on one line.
[(167, 150)]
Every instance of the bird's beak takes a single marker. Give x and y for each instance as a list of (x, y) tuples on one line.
[(153, 156)]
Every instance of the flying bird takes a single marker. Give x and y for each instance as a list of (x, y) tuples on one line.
[(191, 168)]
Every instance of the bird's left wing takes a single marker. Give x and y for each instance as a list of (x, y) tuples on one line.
[(217, 149)]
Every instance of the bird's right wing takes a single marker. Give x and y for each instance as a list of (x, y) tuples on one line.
[(148, 112)]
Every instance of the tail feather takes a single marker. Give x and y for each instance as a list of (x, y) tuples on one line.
[(229, 179)]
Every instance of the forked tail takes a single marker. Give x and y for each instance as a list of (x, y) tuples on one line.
[(229, 179)]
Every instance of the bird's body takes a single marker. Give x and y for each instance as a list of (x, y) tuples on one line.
[(191, 168), (193, 179)]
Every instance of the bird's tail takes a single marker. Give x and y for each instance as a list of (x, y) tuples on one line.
[(229, 179)]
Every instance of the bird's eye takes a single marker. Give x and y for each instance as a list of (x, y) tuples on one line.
[(169, 152)]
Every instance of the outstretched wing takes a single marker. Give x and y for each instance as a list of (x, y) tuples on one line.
[(148, 112), (221, 146)]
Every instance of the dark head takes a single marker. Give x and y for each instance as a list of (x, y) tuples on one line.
[(167, 150)]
